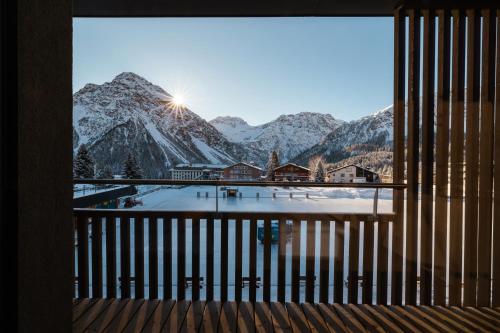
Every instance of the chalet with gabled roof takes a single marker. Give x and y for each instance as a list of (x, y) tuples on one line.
[(291, 172)]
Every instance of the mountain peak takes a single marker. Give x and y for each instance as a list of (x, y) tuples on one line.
[(130, 77), (229, 120)]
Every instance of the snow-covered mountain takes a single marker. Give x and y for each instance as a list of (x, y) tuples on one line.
[(289, 135), (354, 138), (131, 114)]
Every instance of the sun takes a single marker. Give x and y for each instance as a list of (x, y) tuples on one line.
[(178, 100)]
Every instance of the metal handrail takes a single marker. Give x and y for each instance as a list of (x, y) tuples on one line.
[(396, 186)]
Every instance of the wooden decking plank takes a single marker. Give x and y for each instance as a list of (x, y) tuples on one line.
[(314, 318), (211, 316), (263, 317), (474, 318), (159, 316), (483, 315), (348, 318), (461, 319), (437, 323), (76, 301), (91, 314), (281, 321), (419, 322), (107, 315), (366, 319), (120, 320), (491, 312), (176, 317), (82, 306), (381, 318), (331, 318), (440, 316), (228, 317), (246, 321), (194, 317), (141, 316), (298, 320), (403, 323)]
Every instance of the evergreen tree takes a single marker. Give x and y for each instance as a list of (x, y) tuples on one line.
[(319, 173), (105, 173), (131, 169), (272, 164), (83, 167)]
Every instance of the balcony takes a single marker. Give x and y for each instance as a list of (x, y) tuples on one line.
[(215, 269)]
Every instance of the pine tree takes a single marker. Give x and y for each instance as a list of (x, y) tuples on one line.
[(272, 164), (83, 167), (131, 169), (105, 173), (319, 173)]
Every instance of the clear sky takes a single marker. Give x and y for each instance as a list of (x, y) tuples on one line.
[(254, 68)]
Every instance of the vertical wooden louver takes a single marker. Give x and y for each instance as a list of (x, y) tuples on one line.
[(447, 139)]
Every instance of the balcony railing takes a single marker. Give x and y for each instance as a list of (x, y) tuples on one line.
[(339, 256)]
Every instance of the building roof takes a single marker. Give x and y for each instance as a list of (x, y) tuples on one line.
[(292, 164), (247, 164), (198, 166), (349, 165)]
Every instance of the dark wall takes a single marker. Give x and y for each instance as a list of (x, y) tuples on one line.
[(44, 163)]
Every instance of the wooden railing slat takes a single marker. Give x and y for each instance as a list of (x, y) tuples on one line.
[(167, 257), (125, 256), (456, 159), (210, 258), (496, 209), (486, 158), (267, 260), (96, 228), (382, 261), (368, 253), (324, 261), (310, 259), (412, 164), (399, 151), (110, 257), (427, 191), (83, 256), (253, 261), (353, 274), (153, 257), (238, 266), (282, 259), (224, 258), (296, 260), (472, 156), (195, 259), (181, 258), (139, 256), (442, 144), (338, 265)]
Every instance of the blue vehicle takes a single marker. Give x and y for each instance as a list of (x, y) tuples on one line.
[(274, 232)]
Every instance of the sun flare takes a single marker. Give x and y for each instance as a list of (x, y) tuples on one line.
[(178, 100)]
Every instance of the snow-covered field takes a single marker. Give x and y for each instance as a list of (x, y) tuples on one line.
[(267, 199)]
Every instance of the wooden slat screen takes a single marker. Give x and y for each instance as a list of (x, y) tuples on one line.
[(446, 143), (319, 283)]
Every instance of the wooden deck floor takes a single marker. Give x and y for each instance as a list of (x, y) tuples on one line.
[(139, 315)]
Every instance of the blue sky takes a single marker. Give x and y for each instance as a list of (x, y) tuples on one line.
[(254, 68)]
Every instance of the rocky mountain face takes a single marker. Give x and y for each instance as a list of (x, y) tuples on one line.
[(289, 135), (131, 114), (370, 133)]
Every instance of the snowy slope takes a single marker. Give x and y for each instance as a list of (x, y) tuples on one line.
[(131, 114), (357, 137), (289, 135)]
